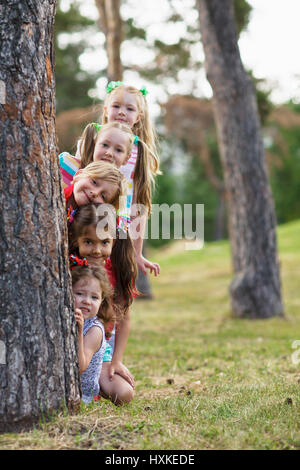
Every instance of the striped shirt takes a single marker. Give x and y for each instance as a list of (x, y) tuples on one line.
[(69, 165)]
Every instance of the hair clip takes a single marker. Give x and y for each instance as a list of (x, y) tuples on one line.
[(144, 91), (70, 214), (112, 85), (97, 126), (136, 140), (76, 261)]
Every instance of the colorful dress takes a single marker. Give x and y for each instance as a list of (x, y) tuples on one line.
[(90, 377), (69, 165)]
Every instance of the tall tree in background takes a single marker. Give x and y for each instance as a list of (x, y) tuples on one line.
[(40, 371), (255, 289), (111, 25)]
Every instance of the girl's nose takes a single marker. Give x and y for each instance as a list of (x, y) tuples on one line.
[(96, 250), (86, 300)]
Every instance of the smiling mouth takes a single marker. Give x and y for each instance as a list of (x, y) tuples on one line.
[(85, 311), (87, 197)]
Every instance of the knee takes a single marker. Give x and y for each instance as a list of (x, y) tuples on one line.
[(123, 395), (127, 395)]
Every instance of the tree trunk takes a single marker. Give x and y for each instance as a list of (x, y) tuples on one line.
[(112, 26), (39, 369), (142, 283), (255, 289)]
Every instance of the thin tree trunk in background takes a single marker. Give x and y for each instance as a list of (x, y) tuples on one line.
[(143, 283), (111, 25), (39, 368), (255, 289)]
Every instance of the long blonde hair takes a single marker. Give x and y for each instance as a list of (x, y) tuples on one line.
[(107, 172), (147, 165)]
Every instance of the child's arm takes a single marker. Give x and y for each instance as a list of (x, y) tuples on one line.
[(88, 344), (142, 263), (122, 335)]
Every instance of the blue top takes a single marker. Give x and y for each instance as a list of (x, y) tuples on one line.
[(90, 377)]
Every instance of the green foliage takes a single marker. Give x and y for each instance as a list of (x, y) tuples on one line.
[(132, 32), (294, 106), (170, 59), (285, 176), (72, 83), (184, 182), (264, 103), (242, 10)]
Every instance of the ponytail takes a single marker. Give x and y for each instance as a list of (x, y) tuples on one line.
[(87, 144), (125, 269)]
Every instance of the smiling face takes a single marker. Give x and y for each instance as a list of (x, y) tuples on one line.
[(87, 296), (122, 107), (92, 248), (89, 190), (112, 146)]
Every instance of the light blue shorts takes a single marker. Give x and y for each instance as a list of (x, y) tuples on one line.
[(108, 353), (110, 346)]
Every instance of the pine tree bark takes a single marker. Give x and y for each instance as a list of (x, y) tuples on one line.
[(112, 26), (255, 290), (39, 368)]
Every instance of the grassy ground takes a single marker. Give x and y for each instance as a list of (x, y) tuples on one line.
[(203, 379)]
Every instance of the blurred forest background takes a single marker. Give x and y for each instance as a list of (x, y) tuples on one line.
[(190, 160)]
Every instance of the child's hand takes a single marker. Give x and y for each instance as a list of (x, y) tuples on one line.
[(144, 264), (79, 319), (119, 368)]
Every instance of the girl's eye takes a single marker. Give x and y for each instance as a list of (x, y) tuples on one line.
[(103, 197), (94, 297), (78, 293)]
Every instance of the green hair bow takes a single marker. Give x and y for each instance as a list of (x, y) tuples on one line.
[(112, 85), (144, 91), (97, 126)]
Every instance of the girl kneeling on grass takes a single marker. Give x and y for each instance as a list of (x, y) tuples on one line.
[(92, 298)]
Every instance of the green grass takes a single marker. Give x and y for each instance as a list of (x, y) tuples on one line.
[(204, 380)]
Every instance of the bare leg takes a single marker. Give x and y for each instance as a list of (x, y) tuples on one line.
[(118, 390)]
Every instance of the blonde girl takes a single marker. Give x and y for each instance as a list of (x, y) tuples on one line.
[(128, 105), (99, 182), (92, 300)]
